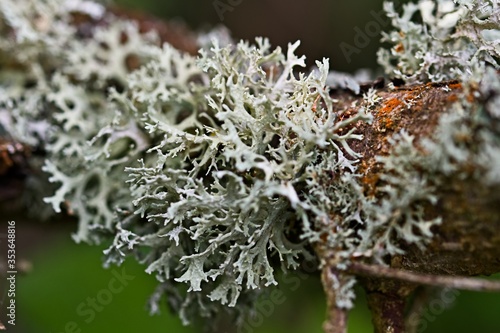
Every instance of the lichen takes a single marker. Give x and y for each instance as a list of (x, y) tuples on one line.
[(454, 39), (215, 170), (225, 171)]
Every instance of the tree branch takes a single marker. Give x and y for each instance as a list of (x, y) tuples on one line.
[(466, 243), (465, 283), (336, 321)]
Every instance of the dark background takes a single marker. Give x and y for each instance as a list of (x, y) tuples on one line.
[(321, 25)]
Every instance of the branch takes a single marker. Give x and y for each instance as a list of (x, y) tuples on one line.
[(336, 321), (461, 202), (474, 284)]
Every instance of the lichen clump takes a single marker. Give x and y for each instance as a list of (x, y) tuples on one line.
[(211, 169), (454, 39)]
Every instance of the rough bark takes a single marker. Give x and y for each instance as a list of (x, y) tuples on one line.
[(467, 243), (470, 228)]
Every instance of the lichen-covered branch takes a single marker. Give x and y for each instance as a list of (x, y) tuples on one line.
[(214, 170), (336, 317)]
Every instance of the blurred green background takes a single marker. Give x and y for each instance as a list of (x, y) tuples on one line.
[(65, 274)]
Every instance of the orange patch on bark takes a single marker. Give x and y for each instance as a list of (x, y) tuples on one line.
[(385, 112)]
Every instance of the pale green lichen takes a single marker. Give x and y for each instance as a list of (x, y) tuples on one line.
[(212, 169), (220, 187), (453, 39)]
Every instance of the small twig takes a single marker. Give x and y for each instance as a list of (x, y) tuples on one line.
[(464, 283), (336, 321)]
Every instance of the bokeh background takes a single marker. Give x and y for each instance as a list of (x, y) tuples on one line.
[(64, 274), (324, 27)]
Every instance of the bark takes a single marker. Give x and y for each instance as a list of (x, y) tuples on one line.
[(467, 243), (336, 321)]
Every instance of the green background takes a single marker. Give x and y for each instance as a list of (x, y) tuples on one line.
[(65, 274)]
